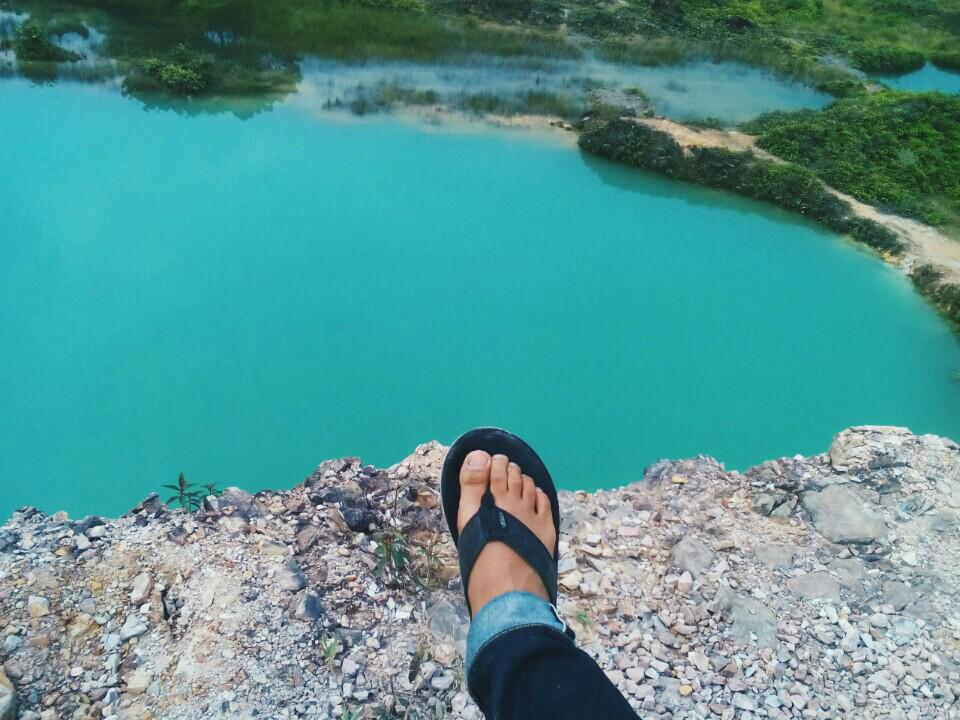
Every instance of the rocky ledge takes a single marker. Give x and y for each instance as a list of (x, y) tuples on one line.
[(808, 587)]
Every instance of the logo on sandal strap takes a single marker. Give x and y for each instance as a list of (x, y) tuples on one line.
[(503, 520)]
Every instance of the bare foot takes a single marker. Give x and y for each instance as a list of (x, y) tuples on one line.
[(499, 569)]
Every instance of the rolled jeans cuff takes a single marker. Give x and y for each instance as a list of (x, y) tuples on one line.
[(507, 612)]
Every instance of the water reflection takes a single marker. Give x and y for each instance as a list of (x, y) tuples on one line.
[(727, 91)]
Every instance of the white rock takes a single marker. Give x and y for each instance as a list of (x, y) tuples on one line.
[(138, 682), (879, 620), (142, 587)]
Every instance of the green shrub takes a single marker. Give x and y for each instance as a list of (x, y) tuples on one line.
[(841, 88), (636, 92), (533, 102), (897, 150), (786, 185), (945, 296), (947, 59), (888, 59), (634, 144), (875, 235), (706, 123)]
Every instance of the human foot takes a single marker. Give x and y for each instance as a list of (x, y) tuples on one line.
[(498, 569)]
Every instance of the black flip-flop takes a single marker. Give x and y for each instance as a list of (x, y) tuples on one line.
[(492, 523)]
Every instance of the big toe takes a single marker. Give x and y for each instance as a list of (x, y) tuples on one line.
[(474, 481)]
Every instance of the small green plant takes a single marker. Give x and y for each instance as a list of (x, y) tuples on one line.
[(211, 489), (419, 657), (426, 566), (330, 647), (392, 551), (185, 493), (583, 618), (353, 714)]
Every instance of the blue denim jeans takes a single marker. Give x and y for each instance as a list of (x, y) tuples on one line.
[(522, 664)]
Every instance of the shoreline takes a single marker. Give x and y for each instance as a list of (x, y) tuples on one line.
[(924, 243)]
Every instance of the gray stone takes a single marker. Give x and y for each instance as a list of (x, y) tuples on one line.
[(850, 572), (752, 622), (815, 586), (775, 555), (309, 607), (841, 517), (441, 682), (850, 641), (764, 503), (133, 627), (289, 577), (786, 508), (241, 501), (898, 594), (449, 623), (693, 555)]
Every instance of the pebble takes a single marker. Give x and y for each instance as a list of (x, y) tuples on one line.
[(37, 606)]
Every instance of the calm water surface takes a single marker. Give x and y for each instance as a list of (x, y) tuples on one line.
[(240, 300), (927, 78), (728, 91)]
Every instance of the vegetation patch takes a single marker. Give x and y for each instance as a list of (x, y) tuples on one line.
[(787, 185), (947, 60), (533, 102), (706, 123), (897, 150), (886, 59), (945, 296)]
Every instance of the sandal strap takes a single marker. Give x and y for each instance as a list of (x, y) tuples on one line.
[(494, 524)]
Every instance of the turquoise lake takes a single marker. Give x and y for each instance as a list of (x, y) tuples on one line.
[(927, 78), (242, 299)]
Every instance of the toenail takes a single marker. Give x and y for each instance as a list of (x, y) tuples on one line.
[(478, 460)]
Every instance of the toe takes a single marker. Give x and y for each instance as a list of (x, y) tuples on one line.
[(514, 475), (474, 479), (543, 503), (475, 472), (529, 492), (498, 475)]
